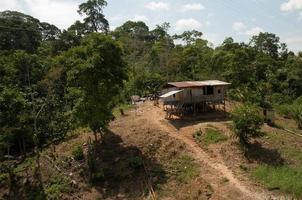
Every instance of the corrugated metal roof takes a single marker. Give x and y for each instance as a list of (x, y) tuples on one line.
[(190, 84), (170, 93)]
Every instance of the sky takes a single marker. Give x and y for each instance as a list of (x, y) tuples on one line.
[(216, 19)]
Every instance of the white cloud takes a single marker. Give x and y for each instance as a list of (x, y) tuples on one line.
[(140, 18), (239, 26), (253, 31), (291, 5), (9, 5), (157, 5), (212, 38), (187, 24), (300, 16), (294, 42), (117, 17), (60, 13), (193, 7)]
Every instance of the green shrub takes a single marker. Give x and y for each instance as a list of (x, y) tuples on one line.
[(278, 99), (136, 162), (56, 187), (285, 178), (298, 101), (3, 178), (297, 114), (284, 110), (247, 122), (78, 153), (198, 136)]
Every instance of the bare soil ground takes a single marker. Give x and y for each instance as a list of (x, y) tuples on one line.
[(145, 133), (210, 158)]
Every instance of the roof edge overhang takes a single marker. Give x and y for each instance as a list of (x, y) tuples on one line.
[(196, 84)]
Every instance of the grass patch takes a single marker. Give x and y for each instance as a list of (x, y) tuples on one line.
[(124, 107), (28, 162), (184, 168), (288, 124), (292, 154), (286, 144), (211, 136), (285, 178), (56, 187)]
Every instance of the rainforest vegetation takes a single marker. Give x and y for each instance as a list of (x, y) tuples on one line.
[(54, 81)]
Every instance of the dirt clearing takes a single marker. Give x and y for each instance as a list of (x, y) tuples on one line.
[(214, 168)]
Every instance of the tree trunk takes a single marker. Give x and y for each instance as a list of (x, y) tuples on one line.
[(53, 148), (39, 175), (20, 147), (24, 147), (8, 149), (10, 183), (95, 136)]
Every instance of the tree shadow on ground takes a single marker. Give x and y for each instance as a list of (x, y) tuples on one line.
[(194, 119), (257, 152), (20, 190), (125, 170)]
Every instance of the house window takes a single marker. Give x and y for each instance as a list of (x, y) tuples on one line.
[(210, 90), (219, 91), (174, 96)]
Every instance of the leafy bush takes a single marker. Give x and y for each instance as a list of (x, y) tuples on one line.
[(285, 178), (78, 153), (247, 122), (293, 111), (244, 94), (56, 187), (297, 114), (278, 98), (3, 178), (298, 101), (198, 136), (285, 110)]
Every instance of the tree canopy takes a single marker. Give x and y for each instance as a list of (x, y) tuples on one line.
[(53, 80), (95, 20)]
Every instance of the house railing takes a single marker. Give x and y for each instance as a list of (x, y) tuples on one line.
[(198, 99)]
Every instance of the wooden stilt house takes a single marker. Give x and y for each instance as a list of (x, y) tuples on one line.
[(193, 96)]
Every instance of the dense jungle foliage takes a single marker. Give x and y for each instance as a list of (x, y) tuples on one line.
[(52, 80)]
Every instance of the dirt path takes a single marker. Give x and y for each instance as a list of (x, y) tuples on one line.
[(219, 168)]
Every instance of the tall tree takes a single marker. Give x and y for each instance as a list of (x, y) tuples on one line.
[(95, 19), (96, 73), (269, 44), (19, 31), (189, 36)]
